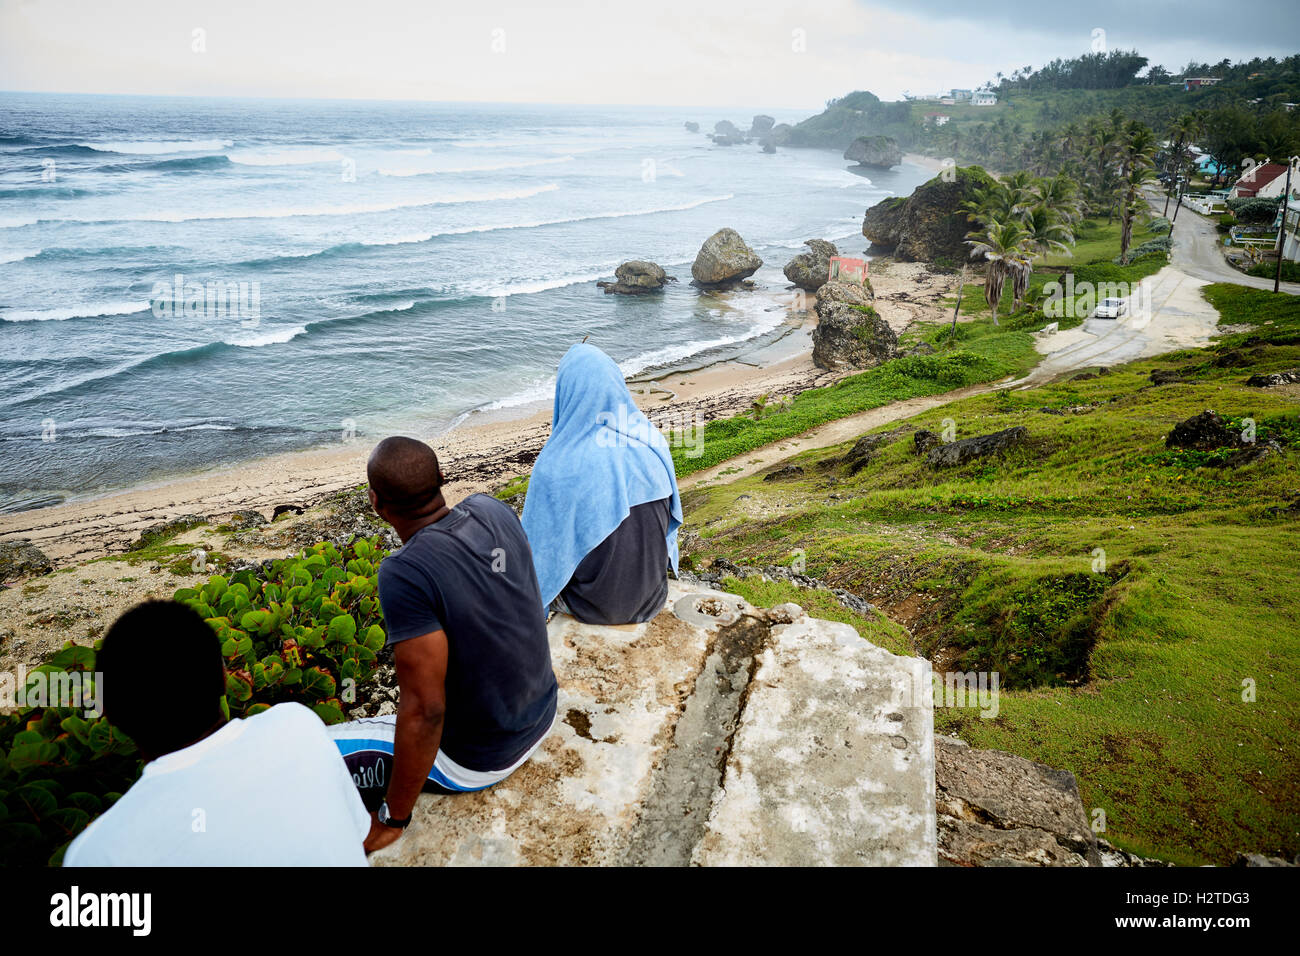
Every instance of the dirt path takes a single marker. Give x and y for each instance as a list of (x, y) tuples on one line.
[(832, 433)]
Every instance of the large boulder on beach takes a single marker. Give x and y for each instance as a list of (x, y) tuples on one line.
[(637, 277), (809, 270), (881, 152), (930, 224), (724, 258), (850, 333), (20, 558)]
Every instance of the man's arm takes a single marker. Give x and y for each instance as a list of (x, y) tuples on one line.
[(421, 681)]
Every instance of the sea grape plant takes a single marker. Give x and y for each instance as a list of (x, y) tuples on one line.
[(306, 628), (59, 769)]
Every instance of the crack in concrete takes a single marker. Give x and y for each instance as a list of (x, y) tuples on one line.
[(675, 812)]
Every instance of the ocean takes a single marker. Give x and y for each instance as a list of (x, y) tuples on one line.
[(189, 283)]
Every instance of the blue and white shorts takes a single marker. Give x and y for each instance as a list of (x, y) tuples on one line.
[(367, 749)]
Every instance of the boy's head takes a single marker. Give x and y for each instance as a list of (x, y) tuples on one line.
[(162, 676)]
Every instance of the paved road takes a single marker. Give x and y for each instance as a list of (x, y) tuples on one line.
[(1197, 252), (1166, 312)]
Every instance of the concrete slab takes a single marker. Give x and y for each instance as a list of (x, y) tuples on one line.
[(833, 763), (717, 733)]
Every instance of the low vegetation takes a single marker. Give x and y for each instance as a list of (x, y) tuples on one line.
[(1137, 600)]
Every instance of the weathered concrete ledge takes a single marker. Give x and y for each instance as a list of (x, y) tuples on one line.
[(716, 734)]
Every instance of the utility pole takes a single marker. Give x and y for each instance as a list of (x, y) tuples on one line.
[(1281, 229), (1179, 206)]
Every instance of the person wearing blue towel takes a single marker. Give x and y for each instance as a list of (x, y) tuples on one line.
[(602, 509)]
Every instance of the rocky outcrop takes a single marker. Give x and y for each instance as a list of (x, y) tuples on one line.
[(20, 558), (850, 333), (997, 809), (157, 533), (981, 446), (726, 133), (637, 277), (691, 127), (779, 134), (881, 152), (1273, 379), (761, 126), (930, 224), (1204, 432), (723, 259), (809, 270), (715, 734)]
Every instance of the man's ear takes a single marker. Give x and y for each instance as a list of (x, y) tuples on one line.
[(374, 500)]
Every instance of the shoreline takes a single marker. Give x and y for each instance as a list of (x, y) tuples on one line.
[(483, 451)]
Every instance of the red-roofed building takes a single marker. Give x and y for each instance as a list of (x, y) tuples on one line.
[(1262, 181)]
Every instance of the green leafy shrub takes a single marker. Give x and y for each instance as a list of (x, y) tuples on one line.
[(307, 629), (1161, 244), (1267, 270), (58, 770), (1253, 209)]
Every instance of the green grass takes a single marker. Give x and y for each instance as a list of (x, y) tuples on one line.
[(985, 354), (1130, 673)]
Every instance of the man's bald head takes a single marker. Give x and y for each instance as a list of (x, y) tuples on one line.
[(405, 477)]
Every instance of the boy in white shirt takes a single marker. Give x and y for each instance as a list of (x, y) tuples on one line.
[(268, 790)]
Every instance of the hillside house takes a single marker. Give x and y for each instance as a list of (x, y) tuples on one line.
[(984, 98), (1263, 181)]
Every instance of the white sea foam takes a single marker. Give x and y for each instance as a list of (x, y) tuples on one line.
[(486, 168), (351, 209), (90, 310), (286, 157), (18, 256), (161, 147), (266, 337)]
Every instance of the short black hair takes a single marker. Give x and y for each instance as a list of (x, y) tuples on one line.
[(162, 674), (404, 475)]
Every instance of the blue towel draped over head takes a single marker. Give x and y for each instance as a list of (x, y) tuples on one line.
[(603, 458)]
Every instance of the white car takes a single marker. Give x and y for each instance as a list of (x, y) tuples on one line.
[(1110, 309)]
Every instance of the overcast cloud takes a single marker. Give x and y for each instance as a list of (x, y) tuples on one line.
[(758, 53)]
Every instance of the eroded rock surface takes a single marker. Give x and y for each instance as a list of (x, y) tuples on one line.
[(997, 809), (716, 733)]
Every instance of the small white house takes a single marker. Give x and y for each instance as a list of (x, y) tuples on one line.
[(984, 98)]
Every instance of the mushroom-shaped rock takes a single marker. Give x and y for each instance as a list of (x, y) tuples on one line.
[(636, 277), (809, 270), (881, 152)]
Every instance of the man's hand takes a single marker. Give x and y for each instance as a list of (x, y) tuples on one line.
[(380, 836)]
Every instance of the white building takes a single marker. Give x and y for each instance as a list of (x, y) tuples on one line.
[(984, 98)]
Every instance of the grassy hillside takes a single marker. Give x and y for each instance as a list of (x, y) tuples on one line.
[(1126, 665)]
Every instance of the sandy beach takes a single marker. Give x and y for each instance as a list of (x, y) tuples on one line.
[(485, 450)]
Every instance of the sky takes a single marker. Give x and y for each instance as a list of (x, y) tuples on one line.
[(747, 53)]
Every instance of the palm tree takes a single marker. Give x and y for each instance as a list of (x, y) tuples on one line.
[(1136, 164), (1183, 130), (1003, 246)]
